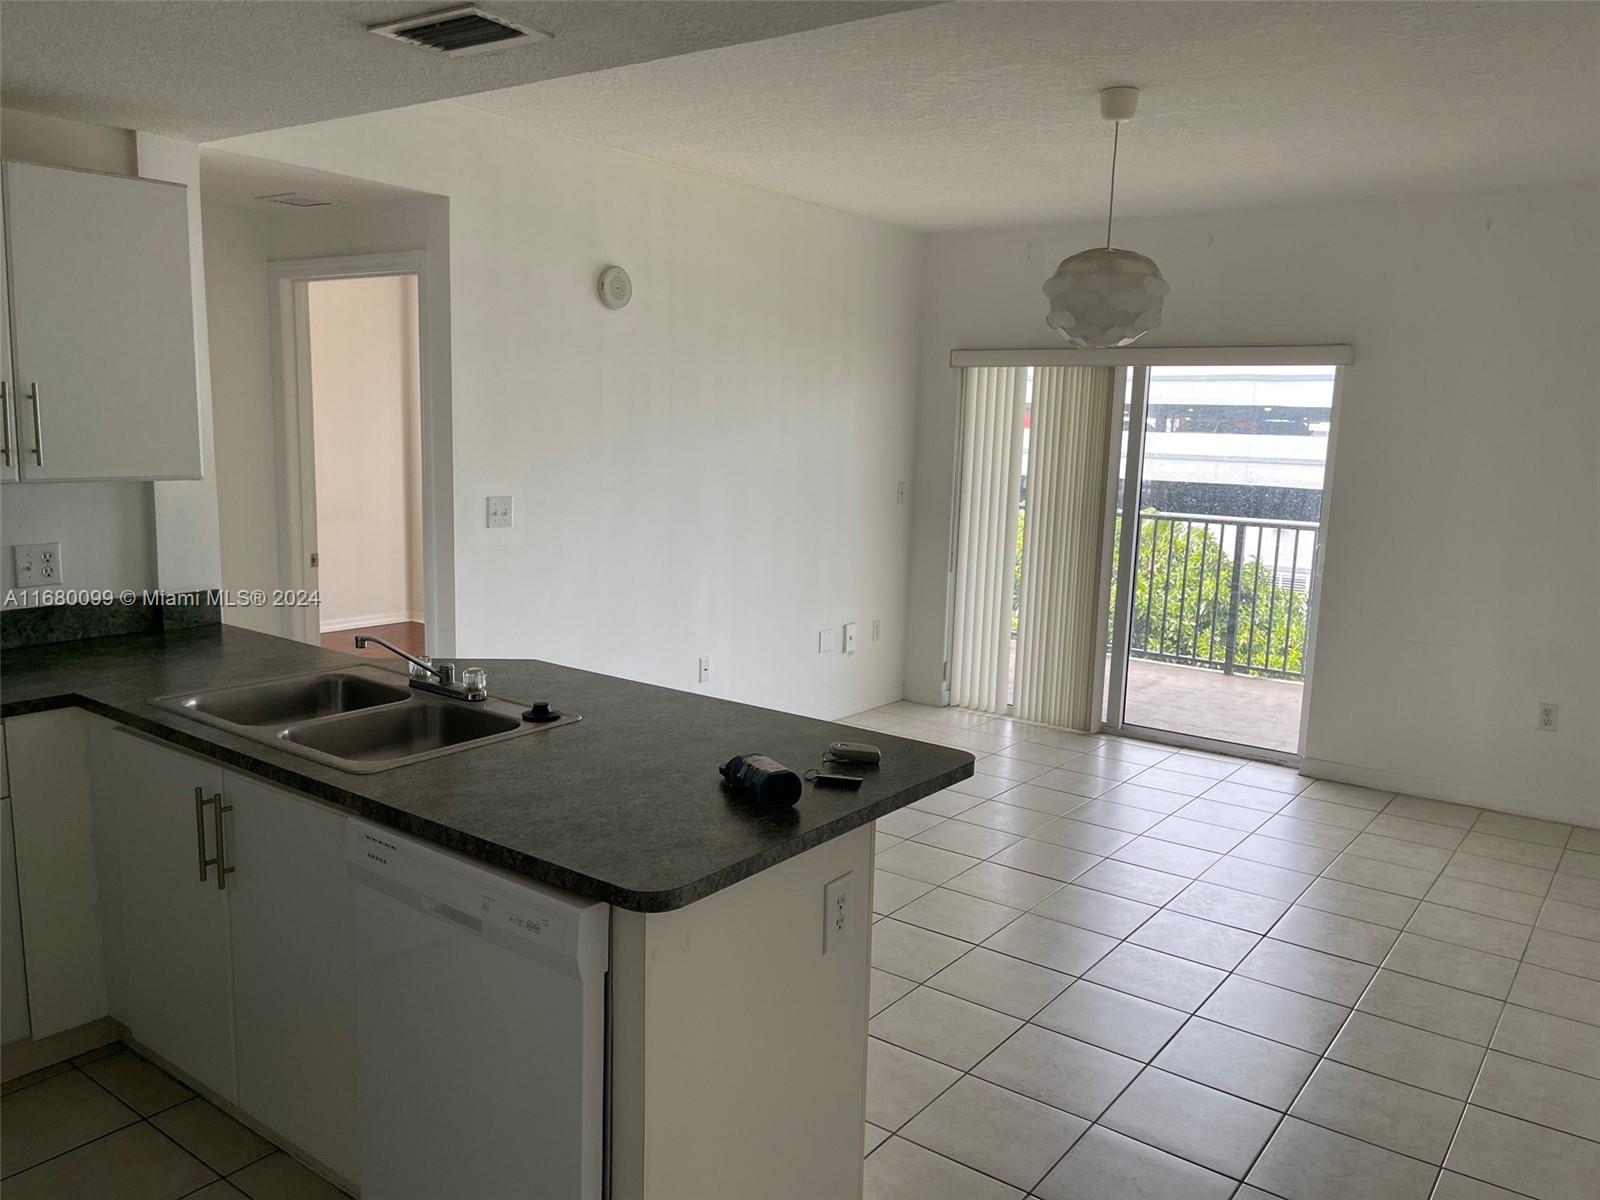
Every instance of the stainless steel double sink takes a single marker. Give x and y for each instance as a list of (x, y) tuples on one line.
[(358, 719)]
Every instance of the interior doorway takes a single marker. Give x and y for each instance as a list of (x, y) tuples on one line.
[(356, 470)]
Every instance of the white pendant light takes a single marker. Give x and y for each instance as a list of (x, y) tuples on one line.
[(1102, 298)]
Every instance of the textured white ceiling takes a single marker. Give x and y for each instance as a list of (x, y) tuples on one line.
[(208, 69), (976, 114), (237, 179)]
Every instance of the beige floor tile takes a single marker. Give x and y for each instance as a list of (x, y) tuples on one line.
[(1259, 879), (135, 1163), (1423, 833), (885, 990), (1198, 940), (1544, 1163), (279, 1177), (1458, 1187), (1308, 833), (1308, 808), (1099, 911), (1386, 877), (1362, 903), (913, 953), (142, 1086), (220, 1190), (1557, 951), (212, 1136), (1000, 982), (927, 863), (1396, 1116), (1438, 812), (1242, 795), (54, 1116), (1076, 783), (871, 1138), (1121, 817), (957, 915), (1229, 906), (1393, 850), (1171, 857), (1009, 818), (1150, 799), (901, 1084), (1061, 863), (1052, 944), (1003, 885), (1482, 898), (902, 1170), (996, 1131), (1574, 920), (1164, 978), (1273, 1012), (1105, 1165), (1408, 1055), (1310, 972), (891, 891), (906, 822), (1575, 889), (1185, 831), (1079, 835), (1236, 1062), (1543, 1094), (1280, 852), (1275, 779), (975, 841), (1529, 854), (1348, 793), (1465, 1016), (33, 1077), (1464, 928), (1220, 1132), (1214, 810), (1555, 1041), (1112, 1020), (1527, 829), (1333, 934), (1556, 992), (1059, 1071), (1133, 882), (1514, 877), (1456, 966), (942, 1027), (1307, 1162)]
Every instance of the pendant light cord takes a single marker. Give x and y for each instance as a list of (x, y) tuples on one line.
[(1111, 203)]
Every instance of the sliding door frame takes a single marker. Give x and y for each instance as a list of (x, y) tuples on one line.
[(1137, 361)]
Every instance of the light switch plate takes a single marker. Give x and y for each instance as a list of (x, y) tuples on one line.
[(827, 640), (37, 565), (849, 637), (499, 512)]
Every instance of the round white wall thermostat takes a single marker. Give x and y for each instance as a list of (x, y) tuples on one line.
[(616, 289)]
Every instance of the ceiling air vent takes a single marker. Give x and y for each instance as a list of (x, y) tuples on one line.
[(466, 29), (295, 200)]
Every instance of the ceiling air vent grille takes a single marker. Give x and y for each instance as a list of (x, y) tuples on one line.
[(466, 29)]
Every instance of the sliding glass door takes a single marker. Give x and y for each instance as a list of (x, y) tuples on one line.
[(1217, 530)]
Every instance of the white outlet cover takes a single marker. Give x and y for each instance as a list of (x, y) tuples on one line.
[(37, 564), (838, 912), (849, 637), (827, 639), (499, 512), (705, 668)]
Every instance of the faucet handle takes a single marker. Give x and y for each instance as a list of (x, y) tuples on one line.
[(475, 679), (417, 672)]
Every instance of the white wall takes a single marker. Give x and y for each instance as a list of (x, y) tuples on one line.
[(710, 471), (1463, 558), (367, 418)]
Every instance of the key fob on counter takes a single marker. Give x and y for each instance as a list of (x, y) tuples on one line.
[(854, 752), (850, 782)]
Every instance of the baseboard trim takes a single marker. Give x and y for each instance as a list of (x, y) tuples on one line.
[(1417, 785), (24, 1056), (343, 623)]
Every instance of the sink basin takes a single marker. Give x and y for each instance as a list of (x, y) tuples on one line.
[(403, 731), (303, 698), (362, 720)]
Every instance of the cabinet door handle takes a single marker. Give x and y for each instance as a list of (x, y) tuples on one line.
[(223, 869), (5, 423), (38, 426), (200, 803)]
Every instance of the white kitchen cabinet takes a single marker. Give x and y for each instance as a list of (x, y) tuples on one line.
[(103, 378), (293, 980), (173, 920), (8, 395), (13, 971), (57, 884)]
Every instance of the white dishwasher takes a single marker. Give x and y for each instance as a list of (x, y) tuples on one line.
[(481, 1028)]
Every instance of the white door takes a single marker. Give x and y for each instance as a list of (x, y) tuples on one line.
[(104, 325), (294, 985), (174, 922), (8, 395)]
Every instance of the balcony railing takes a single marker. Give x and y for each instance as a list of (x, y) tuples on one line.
[(1225, 593)]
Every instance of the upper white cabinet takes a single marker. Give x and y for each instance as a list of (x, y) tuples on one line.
[(101, 381)]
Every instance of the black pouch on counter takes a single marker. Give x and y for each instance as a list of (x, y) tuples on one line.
[(761, 780)]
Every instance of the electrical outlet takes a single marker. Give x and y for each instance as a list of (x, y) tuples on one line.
[(838, 912), (877, 628), (705, 668), (499, 512), (1549, 717), (849, 637), (827, 640), (37, 565)]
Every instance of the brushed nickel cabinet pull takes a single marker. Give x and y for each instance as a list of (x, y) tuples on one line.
[(38, 426), (223, 869), (200, 803)]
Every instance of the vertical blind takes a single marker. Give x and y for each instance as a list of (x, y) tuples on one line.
[(1060, 628), (1059, 632), (993, 402)]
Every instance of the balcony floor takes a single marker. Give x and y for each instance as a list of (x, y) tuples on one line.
[(1230, 708)]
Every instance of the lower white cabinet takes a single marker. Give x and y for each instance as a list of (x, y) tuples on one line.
[(242, 980), (172, 911), (294, 983)]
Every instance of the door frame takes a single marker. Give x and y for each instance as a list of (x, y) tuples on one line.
[(289, 310)]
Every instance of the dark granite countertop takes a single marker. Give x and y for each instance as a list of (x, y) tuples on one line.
[(625, 805)]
